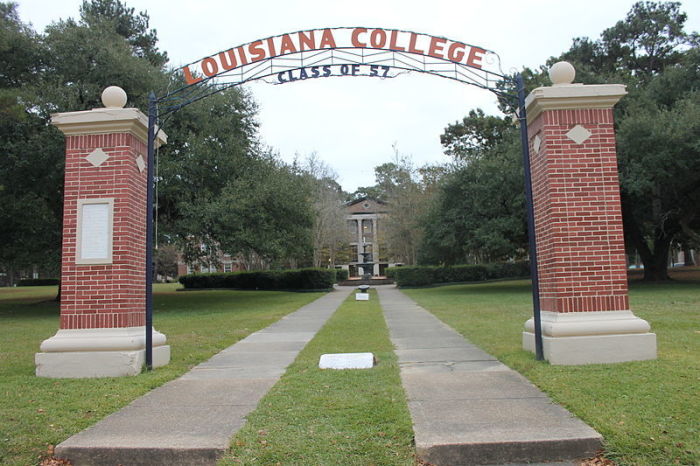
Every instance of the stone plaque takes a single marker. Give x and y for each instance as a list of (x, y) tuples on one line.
[(346, 361), (95, 231)]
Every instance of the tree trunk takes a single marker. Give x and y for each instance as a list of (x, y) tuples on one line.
[(657, 269), (688, 256), (655, 260)]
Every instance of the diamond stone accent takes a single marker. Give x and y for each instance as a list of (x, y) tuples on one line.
[(97, 157), (536, 143), (578, 134), (140, 163)]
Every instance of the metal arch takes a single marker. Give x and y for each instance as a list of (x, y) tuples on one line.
[(339, 56)]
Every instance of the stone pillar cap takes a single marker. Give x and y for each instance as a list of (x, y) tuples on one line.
[(105, 121), (571, 97)]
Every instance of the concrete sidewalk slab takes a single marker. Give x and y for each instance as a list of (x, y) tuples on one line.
[(190, 420), (468, 408)]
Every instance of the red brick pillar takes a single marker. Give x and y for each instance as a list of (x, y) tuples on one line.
[(578, 222), (102, 323)]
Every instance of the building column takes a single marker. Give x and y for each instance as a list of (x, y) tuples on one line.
[(375, 247), (103, 268), (578, 222), (359, 241)]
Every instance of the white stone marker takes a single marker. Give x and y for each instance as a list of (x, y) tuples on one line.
[(361, 296), (346, 361)]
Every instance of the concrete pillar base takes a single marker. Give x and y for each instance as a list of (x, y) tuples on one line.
[(99, 352), (577, 338)]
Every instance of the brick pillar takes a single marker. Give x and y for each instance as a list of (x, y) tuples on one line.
[(578, 222), (103, 269)]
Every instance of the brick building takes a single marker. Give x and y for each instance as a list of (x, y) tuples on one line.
[(364, 218)]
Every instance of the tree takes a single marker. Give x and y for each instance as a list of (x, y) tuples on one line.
[(115, 16), (651, 53), (329, 233), (212, 167), (265, 212), (65, 69), (479, 212), (476, 133), (30, 171), (20, 51), (659, 150), (406, 191)]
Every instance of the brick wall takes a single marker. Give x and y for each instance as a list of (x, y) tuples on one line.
[(581, 254), (108, 295)]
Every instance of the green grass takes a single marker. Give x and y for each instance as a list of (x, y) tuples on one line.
[(38, 412), (647, 411), (333, 417)]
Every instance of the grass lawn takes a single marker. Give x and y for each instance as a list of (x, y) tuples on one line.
[(37, 413), (647, 411), (333, 417)]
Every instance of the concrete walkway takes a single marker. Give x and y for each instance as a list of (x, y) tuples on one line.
[(190, 420), (468, 408)]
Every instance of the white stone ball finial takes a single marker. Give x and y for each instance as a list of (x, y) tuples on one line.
[(114, 97), (561, 73)]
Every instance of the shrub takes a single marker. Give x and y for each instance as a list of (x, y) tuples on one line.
[(316, 279), (340, 275), (428, 275), (461, 273), (303, 279), (414, 276), (38, 282), (508, 270)]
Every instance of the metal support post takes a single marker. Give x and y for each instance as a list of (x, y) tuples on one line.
[(522, 117), (152, 117)]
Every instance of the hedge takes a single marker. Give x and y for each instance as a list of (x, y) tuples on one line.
[(429, 275), (38, 282), (341, 275), (299, 279)]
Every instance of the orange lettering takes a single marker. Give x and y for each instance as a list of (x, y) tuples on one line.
[(456, 52), (412, 44), (287, 45), (435, 49), (230, 63), (327, 40), (392, 42), (189, 79), (307, 42), (271, 47), (355, 39), (241, 54), (475, 56), (377, 38), (210, 67), (257, 53)]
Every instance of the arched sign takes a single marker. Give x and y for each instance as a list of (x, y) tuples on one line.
[(345, 51), (320, 40), (331, 52)]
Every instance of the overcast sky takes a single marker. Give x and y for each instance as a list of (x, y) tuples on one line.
[(353, 123)]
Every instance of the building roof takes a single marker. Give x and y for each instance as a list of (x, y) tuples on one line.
[(366, 205)]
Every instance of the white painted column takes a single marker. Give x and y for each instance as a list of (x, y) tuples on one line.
[(375, 247), (359, 242)]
